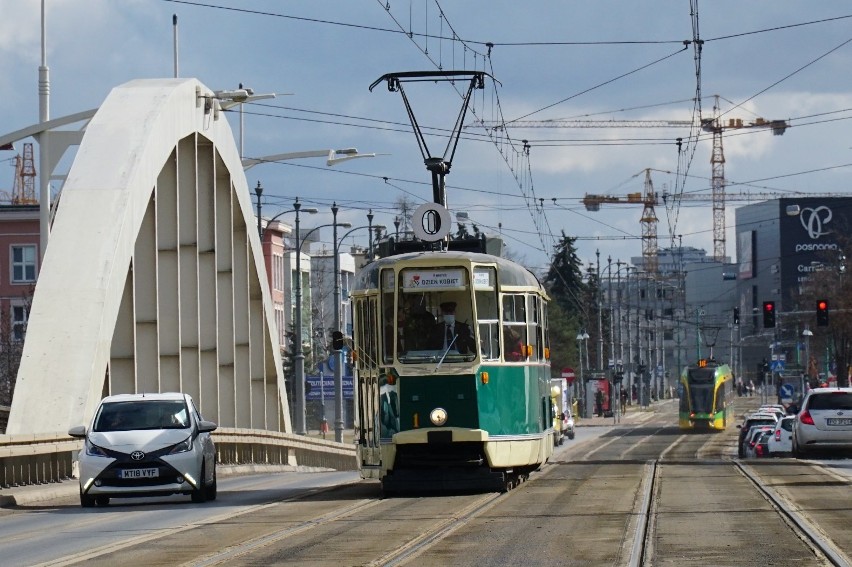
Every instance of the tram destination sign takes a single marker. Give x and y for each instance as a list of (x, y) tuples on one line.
[(433, 279)]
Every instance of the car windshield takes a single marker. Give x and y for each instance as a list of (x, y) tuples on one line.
[(831, 401), (142, 414)]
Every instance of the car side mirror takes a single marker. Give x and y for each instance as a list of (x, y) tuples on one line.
[(205, 426), (77, 431)]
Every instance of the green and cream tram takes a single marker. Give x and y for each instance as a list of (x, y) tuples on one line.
[(453, 372)]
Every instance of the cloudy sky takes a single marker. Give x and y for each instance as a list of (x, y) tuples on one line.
[(595, 60)]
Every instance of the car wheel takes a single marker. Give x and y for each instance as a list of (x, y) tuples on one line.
[(211, 490), (102, 500), (86, 501), (199, 494), (797, 453)]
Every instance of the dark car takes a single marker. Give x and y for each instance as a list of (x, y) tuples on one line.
[(749, 422)]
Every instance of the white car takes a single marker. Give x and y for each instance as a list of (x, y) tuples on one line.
[(781, 440), (824, 423), (146, 445)]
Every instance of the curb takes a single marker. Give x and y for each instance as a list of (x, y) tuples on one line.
[(35, 493)]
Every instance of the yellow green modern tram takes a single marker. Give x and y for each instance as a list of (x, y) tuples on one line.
[(706, 396)]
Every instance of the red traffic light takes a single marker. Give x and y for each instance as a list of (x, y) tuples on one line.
[(822, 312), (768, 314)]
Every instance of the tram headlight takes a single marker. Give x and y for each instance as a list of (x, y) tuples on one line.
[(438, 417)]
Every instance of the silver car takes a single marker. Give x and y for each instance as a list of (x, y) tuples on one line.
[(824, 422), (146, 445)]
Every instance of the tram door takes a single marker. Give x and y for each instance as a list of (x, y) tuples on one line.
[(367, 391)]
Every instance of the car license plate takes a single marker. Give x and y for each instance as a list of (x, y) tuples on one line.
[(838, 421), (139, 473)]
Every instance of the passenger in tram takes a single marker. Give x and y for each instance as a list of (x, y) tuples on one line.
[(513, 346), (418, 325)]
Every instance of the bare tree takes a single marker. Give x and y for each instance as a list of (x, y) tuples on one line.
[(12, 343)]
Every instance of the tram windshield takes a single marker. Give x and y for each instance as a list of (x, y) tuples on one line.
[(701, 386), (432, 317)]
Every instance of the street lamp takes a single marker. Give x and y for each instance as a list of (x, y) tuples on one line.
[(333, 157), (807, 333), (299, 356), (259, 191), (582, 345), (336, 348), (300, 209)]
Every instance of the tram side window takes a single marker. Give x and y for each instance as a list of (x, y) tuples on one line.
[(534, 332), (387, 307), (389, 332), (487, 315), (372, 335), (361, 334), (514, 327), (720, 396), (365, 312)]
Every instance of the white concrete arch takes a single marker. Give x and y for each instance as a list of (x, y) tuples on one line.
[(153, 279)]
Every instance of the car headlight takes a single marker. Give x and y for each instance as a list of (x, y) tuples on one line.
[(182, 447), (93, 450)]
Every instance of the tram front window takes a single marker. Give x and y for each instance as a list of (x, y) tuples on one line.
[(702, 398), (435, 325)]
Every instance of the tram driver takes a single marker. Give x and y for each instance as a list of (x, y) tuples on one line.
[(452, 334)]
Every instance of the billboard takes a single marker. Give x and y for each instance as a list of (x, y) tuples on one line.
[(324, 390)]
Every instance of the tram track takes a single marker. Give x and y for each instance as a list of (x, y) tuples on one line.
[(797, 521), (641, 533), (806, 530)]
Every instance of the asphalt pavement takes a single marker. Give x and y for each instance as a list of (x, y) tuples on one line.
[(32, 494)]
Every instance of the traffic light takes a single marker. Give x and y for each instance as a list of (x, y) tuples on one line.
[(822, 313), (736, 315), (337, 340), (768, 314)]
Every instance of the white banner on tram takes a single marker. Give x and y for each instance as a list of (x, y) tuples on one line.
[(433, 279)]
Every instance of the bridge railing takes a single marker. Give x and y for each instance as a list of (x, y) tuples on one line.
[(46, 458)]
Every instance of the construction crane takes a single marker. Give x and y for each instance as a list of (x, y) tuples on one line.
[(648, 199), (717, 165), (24, 192), (714, 126)]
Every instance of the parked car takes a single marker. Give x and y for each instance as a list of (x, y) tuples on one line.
[(753, 435), (761, 445), (779, 411), (824, 423), (751, 420), (781, 440), (146, 445)]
